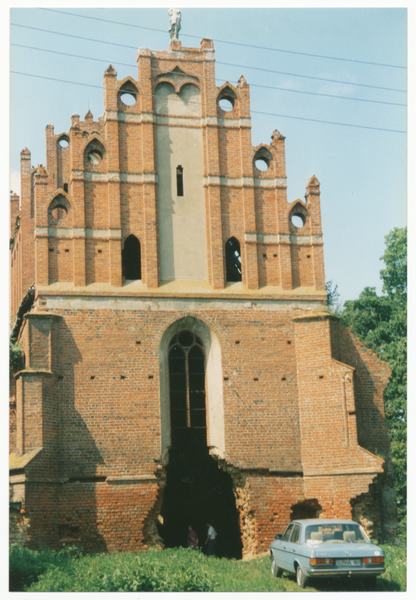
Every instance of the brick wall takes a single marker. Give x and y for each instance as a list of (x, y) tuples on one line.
[(295, 402)]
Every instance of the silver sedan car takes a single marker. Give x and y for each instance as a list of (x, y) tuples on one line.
[(319, 548)]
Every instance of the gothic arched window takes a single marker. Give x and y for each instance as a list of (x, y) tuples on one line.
[(233, 260), (131, 259), (187, 389)]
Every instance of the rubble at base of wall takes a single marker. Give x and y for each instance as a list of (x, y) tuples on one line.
[(376, 510), (151, 537), (19, 526), (247, 521)]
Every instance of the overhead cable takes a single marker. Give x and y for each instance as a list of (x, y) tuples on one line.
[(217, 62), (363, 62), (253, 111), (269, 87)]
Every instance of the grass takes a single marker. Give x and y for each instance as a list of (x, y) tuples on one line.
[(178, 569), (254, 576)]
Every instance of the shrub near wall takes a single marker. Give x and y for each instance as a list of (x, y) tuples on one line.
[(26, 566), (173, 570)]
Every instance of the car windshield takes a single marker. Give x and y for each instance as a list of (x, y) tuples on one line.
[(335, 533)]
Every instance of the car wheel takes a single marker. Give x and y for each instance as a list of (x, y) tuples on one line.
[(276, 571), (301, 578)]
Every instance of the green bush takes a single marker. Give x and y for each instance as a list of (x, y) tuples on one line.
[(173, 570), (26, 566)]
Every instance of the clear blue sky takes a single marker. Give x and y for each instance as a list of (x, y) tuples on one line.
[(339, 122)]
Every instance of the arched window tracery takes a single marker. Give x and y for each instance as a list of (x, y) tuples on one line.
[(187, 389)]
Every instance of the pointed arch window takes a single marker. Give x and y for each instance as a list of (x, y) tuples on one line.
[(187, 389), (233, 260), (131, 258)]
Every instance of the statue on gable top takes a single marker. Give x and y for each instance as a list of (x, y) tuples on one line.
[(174, 23)]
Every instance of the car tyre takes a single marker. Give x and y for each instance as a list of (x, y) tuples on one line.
[(276, 571), (301, 578)]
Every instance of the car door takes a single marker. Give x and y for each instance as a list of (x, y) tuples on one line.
[(292, 547), (280, 554)]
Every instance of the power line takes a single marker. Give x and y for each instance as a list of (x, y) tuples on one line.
[(253, 111), (251, 84), (229, 42), (269, 87), (78, 37), (217, 62), (376, 87), (328, 122)]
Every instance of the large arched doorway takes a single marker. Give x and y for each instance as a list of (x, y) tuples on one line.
[(197, 491)]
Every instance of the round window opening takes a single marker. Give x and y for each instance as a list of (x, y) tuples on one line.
[(186, 338), (226, 104), (63, 143), (298, 220), (261, 164), (128, 98)]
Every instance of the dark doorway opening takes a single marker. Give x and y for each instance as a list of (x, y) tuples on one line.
[(198, 492)]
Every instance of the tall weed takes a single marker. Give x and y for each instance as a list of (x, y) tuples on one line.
[(26, 566), (173, 570)]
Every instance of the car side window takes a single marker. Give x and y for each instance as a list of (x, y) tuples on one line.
[(295, 534), (287, 533)]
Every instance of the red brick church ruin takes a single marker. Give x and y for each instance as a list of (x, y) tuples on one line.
[(179, 362)]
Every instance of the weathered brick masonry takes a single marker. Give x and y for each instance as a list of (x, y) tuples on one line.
[(154, 235)]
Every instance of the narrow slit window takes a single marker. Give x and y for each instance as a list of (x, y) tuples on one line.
[(233, 260), (179, 180)]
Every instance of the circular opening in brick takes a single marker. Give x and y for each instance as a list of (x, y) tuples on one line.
[(128, 98), (298, 220), (186, 338), (226, 104), (63, 143), (261, 164)]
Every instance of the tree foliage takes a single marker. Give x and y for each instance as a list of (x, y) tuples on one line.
[(15, 356), (332, 297), (381, 323)]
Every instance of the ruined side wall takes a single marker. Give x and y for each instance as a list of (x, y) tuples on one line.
[(371, 422)]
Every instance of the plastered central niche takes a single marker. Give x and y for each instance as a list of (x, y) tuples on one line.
[(215, 403), (181, 212)]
